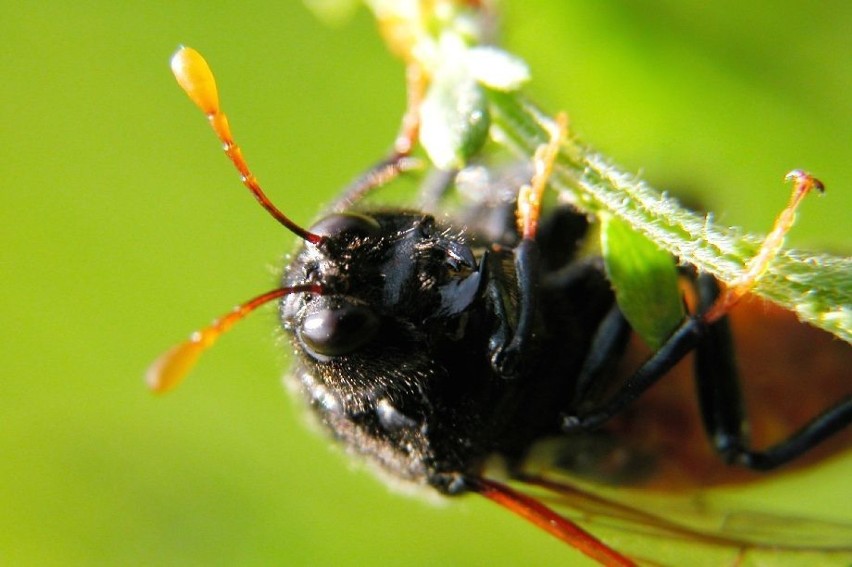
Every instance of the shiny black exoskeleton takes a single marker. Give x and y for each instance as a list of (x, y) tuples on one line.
[(435, 346), (429, 345), (401, 356)]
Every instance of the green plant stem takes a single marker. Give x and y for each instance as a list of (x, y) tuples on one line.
[(817, 286)]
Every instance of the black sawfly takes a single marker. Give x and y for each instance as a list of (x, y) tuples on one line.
[(434, 346)]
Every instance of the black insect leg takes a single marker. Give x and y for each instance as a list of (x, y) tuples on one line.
[(508, 345), (507, 361), (494, 294), (719, 396), (607, 346), (818, 429), (717, 381), (526, 267), (684, 339), (721, 404)]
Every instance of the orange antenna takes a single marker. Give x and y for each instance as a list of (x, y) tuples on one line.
[(803, 183), (169, 369), (196, 79)]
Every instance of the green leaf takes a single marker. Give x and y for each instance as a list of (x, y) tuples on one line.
[(644, 278), (454, 116), (816, 286)]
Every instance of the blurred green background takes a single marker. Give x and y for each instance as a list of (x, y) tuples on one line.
[(124, 228)]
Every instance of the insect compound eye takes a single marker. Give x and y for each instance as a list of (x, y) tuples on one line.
[(351, 224), (330, 331)]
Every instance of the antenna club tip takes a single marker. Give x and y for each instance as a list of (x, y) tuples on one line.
[(182, 58), (194, 76), (155, 379), (172, 366)]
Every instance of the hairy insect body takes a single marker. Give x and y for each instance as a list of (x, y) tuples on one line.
[(398, 358), (428, 346)]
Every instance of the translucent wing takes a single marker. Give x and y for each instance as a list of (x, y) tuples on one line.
[(625, 527)]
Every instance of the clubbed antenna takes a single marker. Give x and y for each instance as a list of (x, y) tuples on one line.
[(169, 369), (196, 79)]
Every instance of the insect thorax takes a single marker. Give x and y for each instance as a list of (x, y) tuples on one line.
[(409, 381)]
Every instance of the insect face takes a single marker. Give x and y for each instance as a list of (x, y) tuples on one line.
[(378, 347), (430, 346)]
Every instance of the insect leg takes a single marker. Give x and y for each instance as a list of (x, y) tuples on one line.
[(683, 340), (719, 396), (608, 344), (818, 429), (399, 161), (717, 380), (721, 404), (507, 345), (382, 172), (527, 255), (694, 330)]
